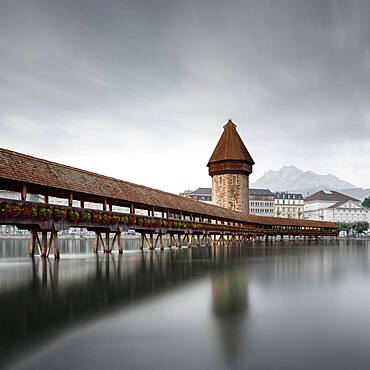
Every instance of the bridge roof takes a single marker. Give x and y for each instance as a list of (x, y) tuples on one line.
[(54, 179)]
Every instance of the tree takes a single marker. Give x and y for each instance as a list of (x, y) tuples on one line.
[(360, 227), (345, 226), (366, 202)]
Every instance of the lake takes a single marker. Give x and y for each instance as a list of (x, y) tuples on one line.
[(280, 305)]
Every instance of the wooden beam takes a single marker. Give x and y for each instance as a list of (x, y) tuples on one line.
[(56, 248), (44, 240), (170, 242), (161, 242), (49, 244), (32, 244), (38, 243), (70, 200), (106, 244), (156, 240), (96, 242), (142, 241), (23, 192), (120, 250)]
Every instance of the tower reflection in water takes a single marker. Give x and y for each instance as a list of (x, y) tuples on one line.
[(230, 307), (43, 298)]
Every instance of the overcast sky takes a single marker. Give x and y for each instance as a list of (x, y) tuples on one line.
[(140, 90)]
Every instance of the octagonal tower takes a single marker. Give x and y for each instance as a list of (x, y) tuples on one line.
[(230, 166)]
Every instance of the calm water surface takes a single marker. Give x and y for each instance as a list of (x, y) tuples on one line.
[(280, 306)]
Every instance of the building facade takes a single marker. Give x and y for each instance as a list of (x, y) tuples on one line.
[(334, 206), (261, 202), (230, 166), (289, 205)]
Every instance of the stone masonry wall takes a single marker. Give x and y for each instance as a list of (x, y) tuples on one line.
[(231, 191)]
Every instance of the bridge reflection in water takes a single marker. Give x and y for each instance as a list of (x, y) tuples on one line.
[(42, 298), (211, 308)]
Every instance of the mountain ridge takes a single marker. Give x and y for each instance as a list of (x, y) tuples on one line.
[(291, 178)]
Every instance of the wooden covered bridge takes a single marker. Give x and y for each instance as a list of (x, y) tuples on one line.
[(124, 205)]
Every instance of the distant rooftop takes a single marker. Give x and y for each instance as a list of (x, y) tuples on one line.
[(338, 204), (332, 196), (266, 192), (202, 191)]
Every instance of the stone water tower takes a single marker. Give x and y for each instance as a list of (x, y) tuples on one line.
[(230, 166)]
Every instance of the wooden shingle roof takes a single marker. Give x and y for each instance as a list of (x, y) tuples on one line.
[(230, 147)]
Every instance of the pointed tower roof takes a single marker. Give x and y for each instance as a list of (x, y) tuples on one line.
[(230, 147)]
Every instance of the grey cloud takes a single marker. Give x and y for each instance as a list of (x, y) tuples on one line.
[(287, 71)]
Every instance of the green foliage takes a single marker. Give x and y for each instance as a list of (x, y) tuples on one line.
[(361, 227), (73, 215), (33, 212), (125, 219), (358, 227), (60, 213), (366, 202), (85, 216), (45, 212)]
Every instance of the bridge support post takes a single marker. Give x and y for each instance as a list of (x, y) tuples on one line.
[(119, 246), (190, 241), (178, 245), (44, 241), (159, 238), (203, 241), (151, 241), (50, 243), (55, 245), (170, 241), (106, 244), (96, 242), (142, 241), (117, 237), (32, 243)]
